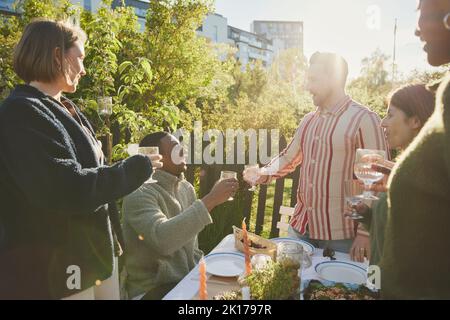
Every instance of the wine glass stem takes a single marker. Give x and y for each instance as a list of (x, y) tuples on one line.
[(367, 192), (150, 179)]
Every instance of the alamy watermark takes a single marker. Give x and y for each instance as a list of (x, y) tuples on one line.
[(74, 280), (214, 146), (373, 21), (374, 277)]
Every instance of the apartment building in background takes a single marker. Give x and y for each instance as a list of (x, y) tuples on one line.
[(283, 34), (89, 5), (140, 9), (7, 7), (250, 46)]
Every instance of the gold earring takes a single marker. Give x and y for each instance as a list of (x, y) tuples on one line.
[(446, 21)]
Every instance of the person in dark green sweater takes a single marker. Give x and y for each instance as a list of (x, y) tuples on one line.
[(416, 261), (409, 109)]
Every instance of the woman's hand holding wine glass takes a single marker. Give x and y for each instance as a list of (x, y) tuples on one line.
[(364, 171), (151, 152)]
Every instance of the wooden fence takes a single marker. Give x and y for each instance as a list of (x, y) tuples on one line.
[(204, 176)]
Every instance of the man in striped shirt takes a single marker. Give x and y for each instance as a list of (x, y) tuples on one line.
[(324, 145)]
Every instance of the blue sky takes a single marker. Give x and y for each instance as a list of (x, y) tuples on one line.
[(348, 27)]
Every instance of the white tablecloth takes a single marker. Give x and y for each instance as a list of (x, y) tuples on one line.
[(188, 287)]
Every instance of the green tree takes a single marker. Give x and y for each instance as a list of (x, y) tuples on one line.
[(148, 74), (182, 62), (427, 77), (374, 69), (11, 30), (372, 86), (9, 35), (102, 48)]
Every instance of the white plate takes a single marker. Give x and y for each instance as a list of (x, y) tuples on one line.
[(340, 271), (308, 247), (225, 264)]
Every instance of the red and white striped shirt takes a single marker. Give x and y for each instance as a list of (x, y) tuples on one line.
[(325, 145)]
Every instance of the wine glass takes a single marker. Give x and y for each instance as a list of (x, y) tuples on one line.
[(224, 175), (105, 106), (133, 149), (148, 151), (364, 160), (352, 193), (252, 174)]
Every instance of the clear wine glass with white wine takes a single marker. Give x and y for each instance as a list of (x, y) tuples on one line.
[(352, 192), (148, 151), (364, 160), (224, 175), (251, 172)]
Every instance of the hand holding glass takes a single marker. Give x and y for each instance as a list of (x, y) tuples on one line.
[(224, 175), (364, 171), (133, 149), (251, 174), (352, 193), (148, 151)]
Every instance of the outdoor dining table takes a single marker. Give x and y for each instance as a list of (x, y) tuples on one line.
[(188, 287)]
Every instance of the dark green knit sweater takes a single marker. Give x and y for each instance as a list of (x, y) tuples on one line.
[(416, 257), (375, 222)]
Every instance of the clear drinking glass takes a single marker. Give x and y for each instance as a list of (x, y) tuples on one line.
[(352, 193), (290, 250), (294, 253), (260, 261), (147, 151), (364, 160), (133, 149), (228, 175), (252, 174)]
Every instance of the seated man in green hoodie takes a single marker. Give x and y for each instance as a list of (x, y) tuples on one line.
[(162, 221)]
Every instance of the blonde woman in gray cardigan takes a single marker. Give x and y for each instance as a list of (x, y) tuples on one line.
[(161, 224)]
